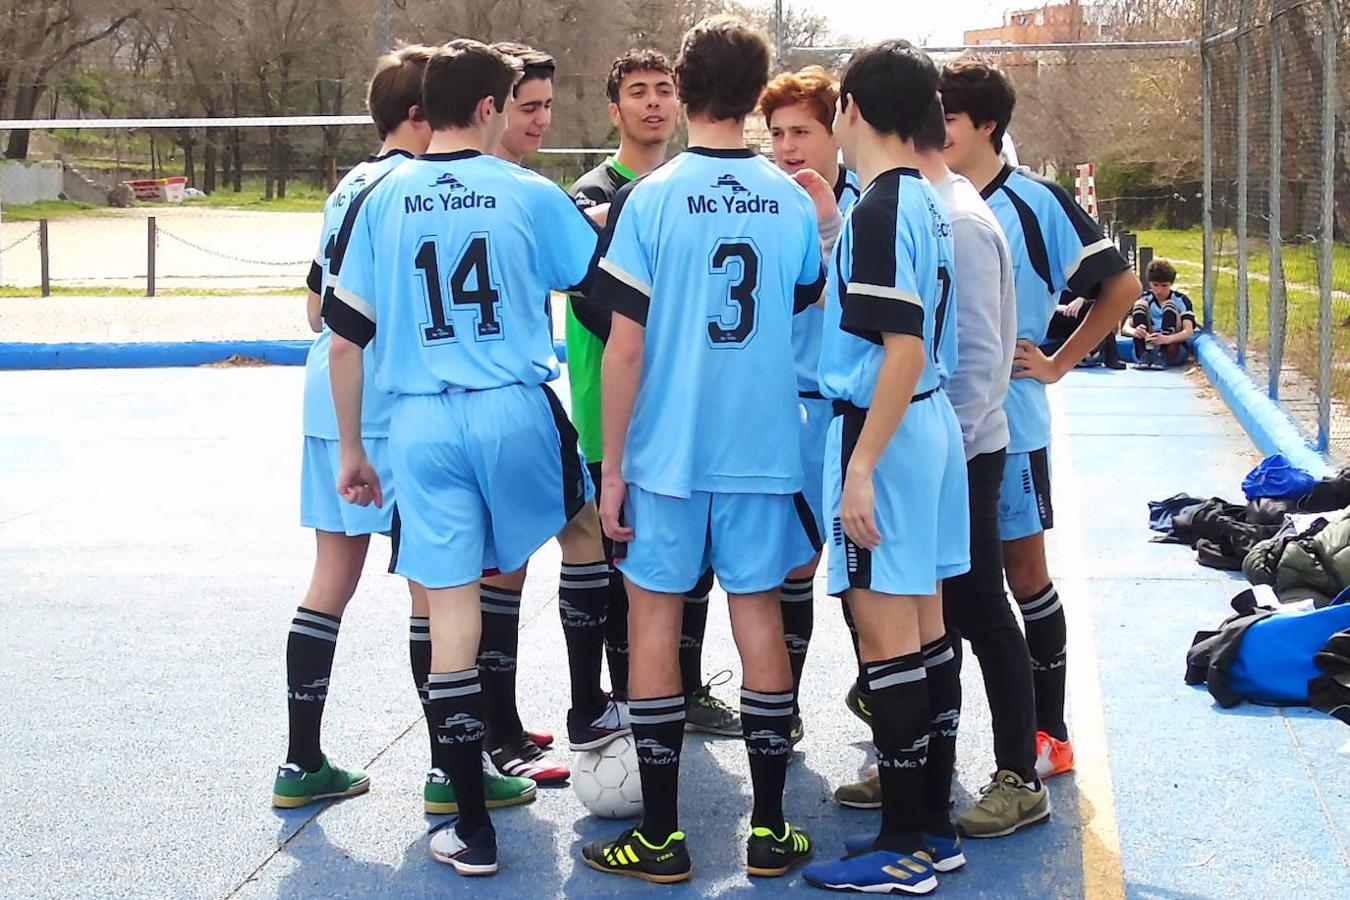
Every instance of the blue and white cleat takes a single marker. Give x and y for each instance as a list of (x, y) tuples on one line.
[(474, 856), (877, 872)]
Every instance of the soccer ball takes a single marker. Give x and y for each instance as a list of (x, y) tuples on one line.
[(607, 782)]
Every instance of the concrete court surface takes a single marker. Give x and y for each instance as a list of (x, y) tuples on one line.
[(151, 558)]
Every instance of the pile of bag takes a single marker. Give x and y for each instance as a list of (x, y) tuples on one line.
[(1291, 645)]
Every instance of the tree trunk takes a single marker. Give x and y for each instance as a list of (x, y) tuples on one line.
[(189, 157), (237, 153), (273, 153), (25, 104), (209, 162), (283, 160)]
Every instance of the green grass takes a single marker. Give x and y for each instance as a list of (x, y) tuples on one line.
[(65, 290), (1301, 291), (46, 209)]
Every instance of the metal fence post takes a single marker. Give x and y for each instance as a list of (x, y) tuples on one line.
[(151, 240), (1243, 45), (1207, 154), (1277, 304), (45, 258), (1330, 100)]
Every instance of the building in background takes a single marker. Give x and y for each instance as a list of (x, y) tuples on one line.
[(1054, 23)]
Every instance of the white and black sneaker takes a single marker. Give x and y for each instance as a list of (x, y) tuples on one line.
[(591, 734)]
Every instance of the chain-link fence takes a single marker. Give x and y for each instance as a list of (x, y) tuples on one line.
[(1277, 285)]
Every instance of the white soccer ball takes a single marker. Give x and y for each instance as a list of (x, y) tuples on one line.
[(607, 782)]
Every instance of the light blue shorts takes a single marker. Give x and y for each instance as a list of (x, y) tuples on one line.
[(922, 503), (322, 508), (751, 541), (816, 415), (485, 479), (1024, 505)]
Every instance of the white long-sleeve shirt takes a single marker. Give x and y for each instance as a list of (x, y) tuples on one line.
[(986, 317)]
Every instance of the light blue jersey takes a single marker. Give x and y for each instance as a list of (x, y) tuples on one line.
[(1056, 246), (320, 419), (891, 274), (457, 253), (806, 328), (712, 253)]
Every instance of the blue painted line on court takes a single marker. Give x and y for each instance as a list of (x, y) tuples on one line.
[(165, 354), (1269, 427)]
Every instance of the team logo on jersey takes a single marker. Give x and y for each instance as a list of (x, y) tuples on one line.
[(447, 180), (730, 181), (731, 203)]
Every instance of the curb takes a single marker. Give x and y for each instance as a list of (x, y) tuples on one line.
[(147, 355), (1264, 420)]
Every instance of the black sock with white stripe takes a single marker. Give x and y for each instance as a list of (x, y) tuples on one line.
[(309, 664), (857, 648), (497, 662), (658, 733), (419, 657), (900, 721), (455, 707), (583, 596), (943, 677), (616, 637), (798, 604), (1043, 618), (766, 721)]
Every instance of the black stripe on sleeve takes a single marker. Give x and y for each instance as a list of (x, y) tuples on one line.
[(804, 296), (344, 237), (314, 280), (1094, 270), (869, 317), (621, 297), (345, 321)]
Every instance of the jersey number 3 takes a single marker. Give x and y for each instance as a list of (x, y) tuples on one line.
[(742, 292), (483, 295)]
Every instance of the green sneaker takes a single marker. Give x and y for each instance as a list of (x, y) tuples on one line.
[(857, 703), (769, 856), (633, 855), (864, 794), (1006, 804), (706, 713), (294, 787), (438, 796)]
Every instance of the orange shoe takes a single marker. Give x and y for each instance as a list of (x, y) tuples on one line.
[(1053, 756)]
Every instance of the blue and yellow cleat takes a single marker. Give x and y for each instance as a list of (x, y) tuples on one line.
[(877, 872)]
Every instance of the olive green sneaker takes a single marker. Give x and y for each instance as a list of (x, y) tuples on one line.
[(294, 787), (438, 795), (706, 713), (1006, 804), (864, 794)]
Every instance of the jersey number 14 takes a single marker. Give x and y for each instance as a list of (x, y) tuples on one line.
[(474, 261)]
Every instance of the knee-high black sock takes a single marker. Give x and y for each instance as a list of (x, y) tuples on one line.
[(658, 732), (583, 595), (1043, 618), (309, 664), (943, 676), (497, 663), (798, 604), (766, 720), (1139, 316), (616, 637), (455, 704), (691, 637), (857, 648), (900, 723), (419, 656)]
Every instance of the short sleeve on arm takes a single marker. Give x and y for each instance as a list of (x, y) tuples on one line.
[(882, 290), (1081, 257), (811, 279), (624, 283), (567, 239), (349, 307)]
